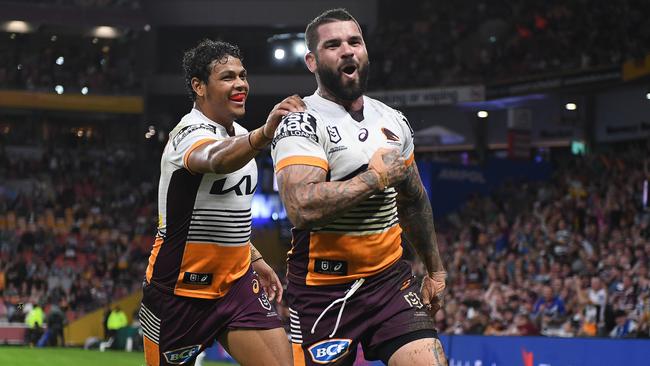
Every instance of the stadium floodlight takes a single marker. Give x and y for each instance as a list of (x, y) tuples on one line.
[(17, 26), (647, 96), (482, 114), (279, 54), (105, 32), (299, 48), (59, 89), (571, 106), (60, 60), (84, 90)]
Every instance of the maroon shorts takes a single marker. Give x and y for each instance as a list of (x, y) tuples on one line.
[(176, 328), (384, 310)]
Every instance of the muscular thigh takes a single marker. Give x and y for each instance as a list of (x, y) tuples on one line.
[(263, 347), (177, 328), (421, 352)]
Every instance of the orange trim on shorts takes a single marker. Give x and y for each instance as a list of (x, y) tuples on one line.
[(366, 255), (298, 354), (226, 263), (152, 257), (301, 160), (194, 146), (151, 352), (410, 160)]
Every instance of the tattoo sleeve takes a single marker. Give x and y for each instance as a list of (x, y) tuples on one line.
[(416, 219), (311, 201)]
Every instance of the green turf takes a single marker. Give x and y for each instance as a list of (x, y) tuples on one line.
[(22, 356)]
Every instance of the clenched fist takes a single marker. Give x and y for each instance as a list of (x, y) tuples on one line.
[(389, 165)]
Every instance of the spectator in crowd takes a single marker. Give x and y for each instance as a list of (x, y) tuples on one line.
[(55, 323), (116, 320), (625, 327), (34, 321)]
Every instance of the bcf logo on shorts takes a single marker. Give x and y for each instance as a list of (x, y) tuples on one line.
[(329, 350), (181, 355)]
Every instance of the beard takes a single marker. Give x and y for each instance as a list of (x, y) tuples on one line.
[(345, 90)]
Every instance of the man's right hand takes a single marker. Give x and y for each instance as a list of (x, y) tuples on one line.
[(289, 105), (389, 165)]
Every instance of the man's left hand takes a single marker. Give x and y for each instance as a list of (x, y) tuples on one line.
[(269, 280), (433, 287)]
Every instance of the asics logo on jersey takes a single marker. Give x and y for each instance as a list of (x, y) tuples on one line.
[(390, 135), (243, 187), (363, 134)]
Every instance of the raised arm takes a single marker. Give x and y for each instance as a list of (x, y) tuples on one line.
[(229, 155), (311, 201), (416, 219)]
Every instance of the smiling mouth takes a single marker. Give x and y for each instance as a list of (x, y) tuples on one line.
[(238, 97)]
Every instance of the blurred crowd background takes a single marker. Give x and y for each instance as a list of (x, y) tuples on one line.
[(564, 257)]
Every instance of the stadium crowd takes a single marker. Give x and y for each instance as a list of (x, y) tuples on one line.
[(76, 229), (568, 257), (460, 42), (427, 43), (43, 60)]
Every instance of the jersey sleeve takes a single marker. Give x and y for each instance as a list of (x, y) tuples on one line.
[(298, 141), (187, 139), (407, 131)]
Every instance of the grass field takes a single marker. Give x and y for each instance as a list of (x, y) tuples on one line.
[(22, 356)]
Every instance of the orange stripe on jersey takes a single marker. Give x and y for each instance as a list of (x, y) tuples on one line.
[(194, 146), (151, 352), (301, 160), (152, 257), (226, 263), (410, 160), (365, 255), (298, 354)]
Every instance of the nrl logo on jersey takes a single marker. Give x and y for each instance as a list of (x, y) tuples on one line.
[(334, 134)]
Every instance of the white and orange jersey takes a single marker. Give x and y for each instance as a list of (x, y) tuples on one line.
[(367, 238), (204, 226)]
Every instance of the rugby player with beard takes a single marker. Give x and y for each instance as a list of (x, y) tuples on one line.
[(346, 175)]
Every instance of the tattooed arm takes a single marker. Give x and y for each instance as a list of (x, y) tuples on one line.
[(311, 201), (416, 219)]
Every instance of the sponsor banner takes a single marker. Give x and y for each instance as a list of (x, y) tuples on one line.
[(431, 96), (622, 114), (451, 184), (544, 84), (544, 351), (468, 350)]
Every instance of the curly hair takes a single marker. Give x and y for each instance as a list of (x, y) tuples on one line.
[(198, 61)]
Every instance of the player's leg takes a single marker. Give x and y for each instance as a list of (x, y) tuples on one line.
[(404, 332), (264, 347), (176, 329), (420, 352), (254, 334)]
